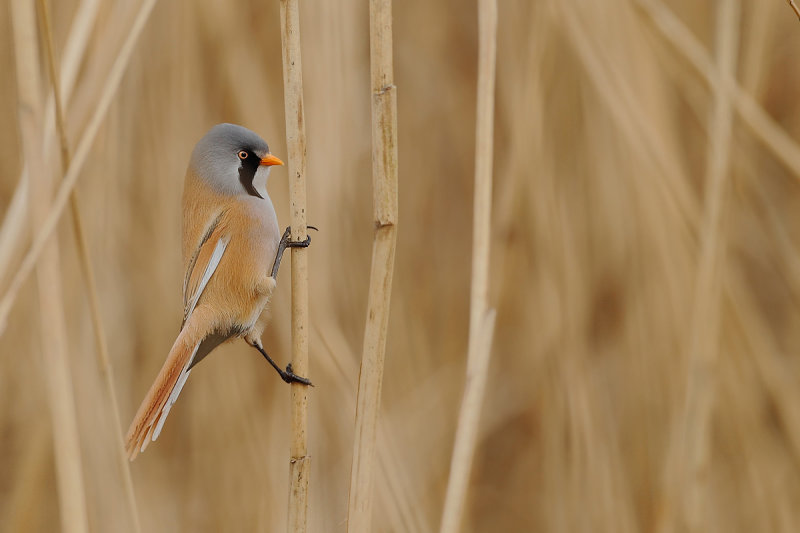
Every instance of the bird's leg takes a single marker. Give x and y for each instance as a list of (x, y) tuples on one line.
[(285, 243), (286, 375)]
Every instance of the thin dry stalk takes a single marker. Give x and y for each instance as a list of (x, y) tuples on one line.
[(479, 354), (82, 151), (481, 325), (794, 8), (384, 184), (681, 38), (299, 461), (15, 228), (691, 454), (72, 499), (641, 133), (16, 225), (101, 344)]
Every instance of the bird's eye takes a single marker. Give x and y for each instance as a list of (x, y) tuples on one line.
[(242, 155)]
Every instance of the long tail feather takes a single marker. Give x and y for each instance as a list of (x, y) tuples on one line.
[(155, 407)]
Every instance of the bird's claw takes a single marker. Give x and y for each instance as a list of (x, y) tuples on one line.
[(297, 244), (290, 377)]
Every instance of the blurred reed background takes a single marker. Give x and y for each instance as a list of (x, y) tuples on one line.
[(609, 312)]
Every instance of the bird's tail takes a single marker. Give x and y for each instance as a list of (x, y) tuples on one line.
[(150, 417)]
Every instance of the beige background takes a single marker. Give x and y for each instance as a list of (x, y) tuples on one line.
[(600, 173)]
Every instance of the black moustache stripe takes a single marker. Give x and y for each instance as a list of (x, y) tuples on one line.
[(247, 173)]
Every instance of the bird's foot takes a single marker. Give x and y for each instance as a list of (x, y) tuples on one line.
[(297, 244), (285, 243), (289, 376)]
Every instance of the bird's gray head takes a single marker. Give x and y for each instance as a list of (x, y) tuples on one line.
[(233, 160)]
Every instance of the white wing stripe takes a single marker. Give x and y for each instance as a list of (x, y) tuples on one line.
[(206, 235), (213, 262)]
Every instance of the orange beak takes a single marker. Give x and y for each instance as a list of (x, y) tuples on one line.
[(270, 160)]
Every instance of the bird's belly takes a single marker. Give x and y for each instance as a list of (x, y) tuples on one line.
[(236, 304), (238, 290)]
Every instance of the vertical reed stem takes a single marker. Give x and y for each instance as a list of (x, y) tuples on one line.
[(16, 227), (299, 461), (481, 325), (104, 362), (384, 183), (688, 483), (72, 499)]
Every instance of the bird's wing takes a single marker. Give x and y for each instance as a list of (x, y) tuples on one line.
[(203, 263)]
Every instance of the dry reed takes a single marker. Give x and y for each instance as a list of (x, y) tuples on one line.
[(15, 224), (482, 318), (299, 460), (768, 131), (15, 227), (599, 200), (64, 192), (53, 329), (101, 344), (384, 202), (687, 485)]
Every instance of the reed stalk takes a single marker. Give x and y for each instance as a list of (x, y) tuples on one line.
[(481, 325), (687, 494), (16, 224), (48, 225), (765, 128), (299, 460), (384, 184), (15, 228), (53, 330), (101, 344)]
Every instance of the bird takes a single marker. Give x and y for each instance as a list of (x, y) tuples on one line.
[(231, 238)]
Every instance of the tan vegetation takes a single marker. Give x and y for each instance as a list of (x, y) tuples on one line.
[(644, 245)]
